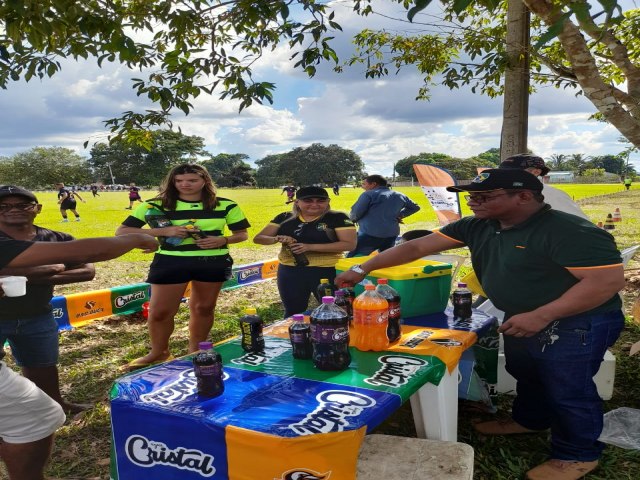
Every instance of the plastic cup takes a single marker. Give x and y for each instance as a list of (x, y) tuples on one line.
[(14, 286)]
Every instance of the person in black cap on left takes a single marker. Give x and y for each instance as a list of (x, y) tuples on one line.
[(27, 322), (316, 231), (557, 277)]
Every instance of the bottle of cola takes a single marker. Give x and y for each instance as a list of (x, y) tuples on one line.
[(325, 289), (207, 367), (395, 313), (462, 299), (299, 259), (343, 302), (300, 336), (330, 336)]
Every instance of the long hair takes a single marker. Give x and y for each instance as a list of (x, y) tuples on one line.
[(169, 193)]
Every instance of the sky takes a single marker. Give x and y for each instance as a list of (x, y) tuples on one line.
[(378, 119)]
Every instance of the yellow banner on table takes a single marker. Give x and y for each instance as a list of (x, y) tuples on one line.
[(448, 345), (327, 456), (85, 307)]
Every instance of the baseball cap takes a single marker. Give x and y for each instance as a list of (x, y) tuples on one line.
[(311, 192), (524, 161), (8, 190), (500, 178)]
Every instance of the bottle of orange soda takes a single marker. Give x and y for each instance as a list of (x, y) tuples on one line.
[(370, 321)]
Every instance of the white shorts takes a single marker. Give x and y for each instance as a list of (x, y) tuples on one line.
[(27, 414)]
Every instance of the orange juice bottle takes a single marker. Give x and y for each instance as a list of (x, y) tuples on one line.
[(370, 321)]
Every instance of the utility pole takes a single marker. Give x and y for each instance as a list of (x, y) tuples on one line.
[(515, 110), (113, 180)]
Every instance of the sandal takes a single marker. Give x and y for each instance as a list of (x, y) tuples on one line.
[(138, 363)]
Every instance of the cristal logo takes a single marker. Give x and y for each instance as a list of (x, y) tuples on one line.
[(123, 300), (147, 453), (249, 272), (185, 386), (396, 370), (332, 412), (57, 313), (303, 474), (255, 359), (416, 340)]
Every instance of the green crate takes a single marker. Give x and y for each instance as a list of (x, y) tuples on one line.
[(424, 286)]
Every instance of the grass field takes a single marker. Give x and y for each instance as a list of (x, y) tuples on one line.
[(92, 357)]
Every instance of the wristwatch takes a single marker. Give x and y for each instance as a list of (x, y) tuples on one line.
[(358, 270)]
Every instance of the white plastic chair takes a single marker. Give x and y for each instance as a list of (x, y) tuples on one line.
[(455, 260), (628, 253)]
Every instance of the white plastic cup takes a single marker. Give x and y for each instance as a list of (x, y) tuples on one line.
[(14, 286)]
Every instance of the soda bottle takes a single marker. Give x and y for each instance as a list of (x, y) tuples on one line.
[(299, 259), (300, 335), (330, 336), (325, 289), (343, 302), (155, 218), (350, 295), (462, 298), (395, 313), (370, 321), (207, 367), (251, 328)]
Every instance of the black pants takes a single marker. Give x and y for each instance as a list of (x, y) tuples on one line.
[(296, 283)]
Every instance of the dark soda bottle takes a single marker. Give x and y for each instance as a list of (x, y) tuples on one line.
[(207, 367), (299, 259), (251, 329), (462, 298), (343, 302), (350, 295), (330, 336), (395, 313), (156, 218), (300, 335), (325, 289)]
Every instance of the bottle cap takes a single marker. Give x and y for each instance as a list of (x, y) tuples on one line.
[(462, 285), (298, 317), (369, 286), (383, 281), (324, 280), (250, 311), (205, 345), (328, 299)]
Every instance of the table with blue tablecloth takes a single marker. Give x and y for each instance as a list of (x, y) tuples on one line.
[(281, 418)]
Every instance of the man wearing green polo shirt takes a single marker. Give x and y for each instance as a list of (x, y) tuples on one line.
[(556, 276)]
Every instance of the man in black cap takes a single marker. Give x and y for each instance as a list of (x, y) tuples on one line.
[(556, 277), (535, 165), (27, 322)]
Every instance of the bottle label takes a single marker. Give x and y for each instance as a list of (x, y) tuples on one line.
[(394, 310), (208, 370), (329, 334)]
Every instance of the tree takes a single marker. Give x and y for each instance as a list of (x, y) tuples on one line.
[(460, 168), (183, 48), (41, 167), (595, 53), (557, 162), (316, 164), (132, 163), (229, 170)]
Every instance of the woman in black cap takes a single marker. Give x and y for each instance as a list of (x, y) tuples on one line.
[(313, 231)]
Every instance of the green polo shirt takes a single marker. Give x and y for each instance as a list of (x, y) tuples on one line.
[(227, 214), (526, 266)]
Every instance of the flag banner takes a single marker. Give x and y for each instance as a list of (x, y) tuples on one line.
[(433, 181)]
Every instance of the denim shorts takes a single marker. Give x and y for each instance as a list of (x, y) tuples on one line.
[(33, 340)]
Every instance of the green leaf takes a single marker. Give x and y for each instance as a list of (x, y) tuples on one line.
[(419, 6)]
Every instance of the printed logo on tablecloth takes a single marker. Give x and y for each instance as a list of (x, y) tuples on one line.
[(303, 474), (174, 392), (416, 340), (255, 359), (57, 313), (331, 415), (446, 342), (148, 453), (396, 370), (246, 274)]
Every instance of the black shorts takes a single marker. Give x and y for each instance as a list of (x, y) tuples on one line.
[(134, 197), (68, 205), (171, 269)]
